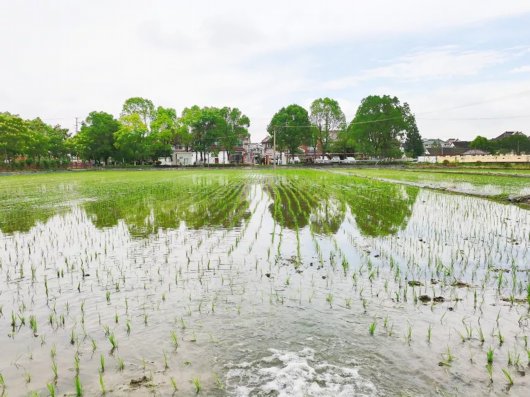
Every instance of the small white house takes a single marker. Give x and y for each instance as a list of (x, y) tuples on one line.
[(184, 158)]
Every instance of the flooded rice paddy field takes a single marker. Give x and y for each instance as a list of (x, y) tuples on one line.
[(481, 182), (247, 283)]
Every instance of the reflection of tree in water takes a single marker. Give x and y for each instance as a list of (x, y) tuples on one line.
[(328, 216), (199, 203), (226, 207), (22, 217), (379, 208), (31, 201), (382, 209), (297, 204), (298, 200), (291, 207)]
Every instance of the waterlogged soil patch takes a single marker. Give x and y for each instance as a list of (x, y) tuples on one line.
[(506, 186)]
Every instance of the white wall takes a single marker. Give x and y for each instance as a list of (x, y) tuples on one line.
[(489, 158)]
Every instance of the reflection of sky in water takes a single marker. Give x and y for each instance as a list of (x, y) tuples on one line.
[(470, 188), (466, 187)]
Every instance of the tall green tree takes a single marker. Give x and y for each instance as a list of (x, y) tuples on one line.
[(130, 139), (235, 129), (329, 119), (516, 143), (292, 128), (205, 126), (344, 143), (95, 140), (38, 142), (164, 130), (380, 125), (482, 143), (413, 143), (141, 106), (45, 141), (14, 136), (57, 142)]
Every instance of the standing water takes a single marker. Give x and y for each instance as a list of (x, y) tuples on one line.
[(296, 283)]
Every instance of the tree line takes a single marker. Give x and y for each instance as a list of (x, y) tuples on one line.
[(38, 142), (143, 133), (382, 127), (515, 143)]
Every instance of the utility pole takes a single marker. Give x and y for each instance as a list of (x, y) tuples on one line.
[(76, 130)]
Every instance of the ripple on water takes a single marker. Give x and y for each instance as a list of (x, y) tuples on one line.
[(286, 373)]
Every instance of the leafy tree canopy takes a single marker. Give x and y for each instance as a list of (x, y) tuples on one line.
[(328, 117), (95, 140), (516, 143), (130, 139), (292, 127), (205, 126), (381, 124), (235, 128), (14, 136), (482, 143)]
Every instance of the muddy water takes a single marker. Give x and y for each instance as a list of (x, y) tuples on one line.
[(269, 286)]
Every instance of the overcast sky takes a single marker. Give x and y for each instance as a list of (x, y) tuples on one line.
[(463, 66)]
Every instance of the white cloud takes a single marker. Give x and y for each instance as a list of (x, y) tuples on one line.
[(521, 69), (438, 63), (63, 59)]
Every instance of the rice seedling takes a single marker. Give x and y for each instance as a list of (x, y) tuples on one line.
[(489, 369), (329, 299), (174, 340), (51, 389), (173, 384), (102, 384), (371, 328), (78, 386), (197, 385), (113, 342), (508, 377), (500, 337), (408, 335), (121, 364), (489, 356), (33, 324), (166, 363), (55, 370), (77, 361)]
